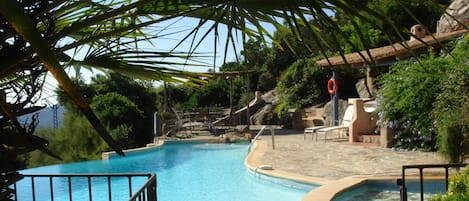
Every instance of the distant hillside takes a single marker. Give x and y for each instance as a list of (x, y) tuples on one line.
[(46, 117)]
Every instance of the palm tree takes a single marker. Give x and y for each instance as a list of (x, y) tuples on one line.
[(40, 36)]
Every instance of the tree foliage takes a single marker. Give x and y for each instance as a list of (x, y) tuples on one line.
[(305, 84), (134, 94), (216, 93), (76, 140), (119, 100), (115, 100), (116, 112), (364, 33), (406, 99), (426, 98), (451, 106)]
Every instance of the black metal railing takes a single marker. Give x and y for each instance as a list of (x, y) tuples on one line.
[(401, 182), (147, 191), (61, 184)]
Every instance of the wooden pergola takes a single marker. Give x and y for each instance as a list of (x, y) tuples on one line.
[(390, 54), (230, 74), (387, 55)]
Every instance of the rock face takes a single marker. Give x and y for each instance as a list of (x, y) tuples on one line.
[(361, 89), (328, 118), (265, 115), (458, 10)]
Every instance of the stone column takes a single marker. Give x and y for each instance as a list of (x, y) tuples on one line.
[(362, 123), (387, 134)]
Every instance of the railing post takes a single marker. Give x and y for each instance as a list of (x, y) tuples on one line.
[(446, 179), (402, 182), (147, 191), (403, 188), (89, 188), (33, 188), (421, 183), (109, 187), (51, 189)]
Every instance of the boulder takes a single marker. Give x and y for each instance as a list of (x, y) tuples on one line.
[(261, 117), (265, 115), (361, 89), (232, 138), (458, 10), (271, 97), (328, 111)]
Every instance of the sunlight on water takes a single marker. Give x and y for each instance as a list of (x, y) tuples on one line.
[(185, 171), (389, 191)]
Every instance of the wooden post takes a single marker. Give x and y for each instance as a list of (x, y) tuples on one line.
[(248, 110)]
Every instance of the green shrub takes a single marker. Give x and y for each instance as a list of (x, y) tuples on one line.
[(406, 99), (452, 106), (427, 100), (304, 84), (458, 189)]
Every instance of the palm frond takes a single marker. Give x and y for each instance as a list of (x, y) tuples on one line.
[(146, 65), (24, 26), (250, 18)]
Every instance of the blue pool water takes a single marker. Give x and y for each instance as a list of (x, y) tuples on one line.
[(389, 191), (185, 171)]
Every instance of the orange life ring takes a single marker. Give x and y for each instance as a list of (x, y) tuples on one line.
[(332, 86)]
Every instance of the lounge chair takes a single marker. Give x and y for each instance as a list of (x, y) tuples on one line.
[(318, 124), (186, 123), (342, 128)]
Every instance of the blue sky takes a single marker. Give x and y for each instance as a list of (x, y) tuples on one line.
[(175, 30)]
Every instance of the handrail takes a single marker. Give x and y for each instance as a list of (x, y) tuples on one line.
[(255, 138), (402, 183), (148, 190), (149, 186)]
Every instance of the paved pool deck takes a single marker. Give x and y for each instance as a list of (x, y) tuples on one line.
[(336, 159), (335, 163)]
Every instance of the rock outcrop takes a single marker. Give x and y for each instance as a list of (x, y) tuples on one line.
[(328, 118), (458, 17), (265, 115)]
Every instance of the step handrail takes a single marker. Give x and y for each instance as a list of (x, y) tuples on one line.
[(255, 138)]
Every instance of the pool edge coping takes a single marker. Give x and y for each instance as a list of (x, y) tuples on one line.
[(110, 154), (253, 162), (333, 189)]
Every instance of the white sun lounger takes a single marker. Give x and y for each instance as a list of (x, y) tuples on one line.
[(342, 128)]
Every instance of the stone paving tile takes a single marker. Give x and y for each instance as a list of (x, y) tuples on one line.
[(333, 159)]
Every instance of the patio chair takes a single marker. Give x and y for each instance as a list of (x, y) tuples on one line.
[(318, 124), (182, 124), (342, 128)]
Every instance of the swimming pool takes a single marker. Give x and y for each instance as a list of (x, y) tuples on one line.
[(389, 191), (187, 171)]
